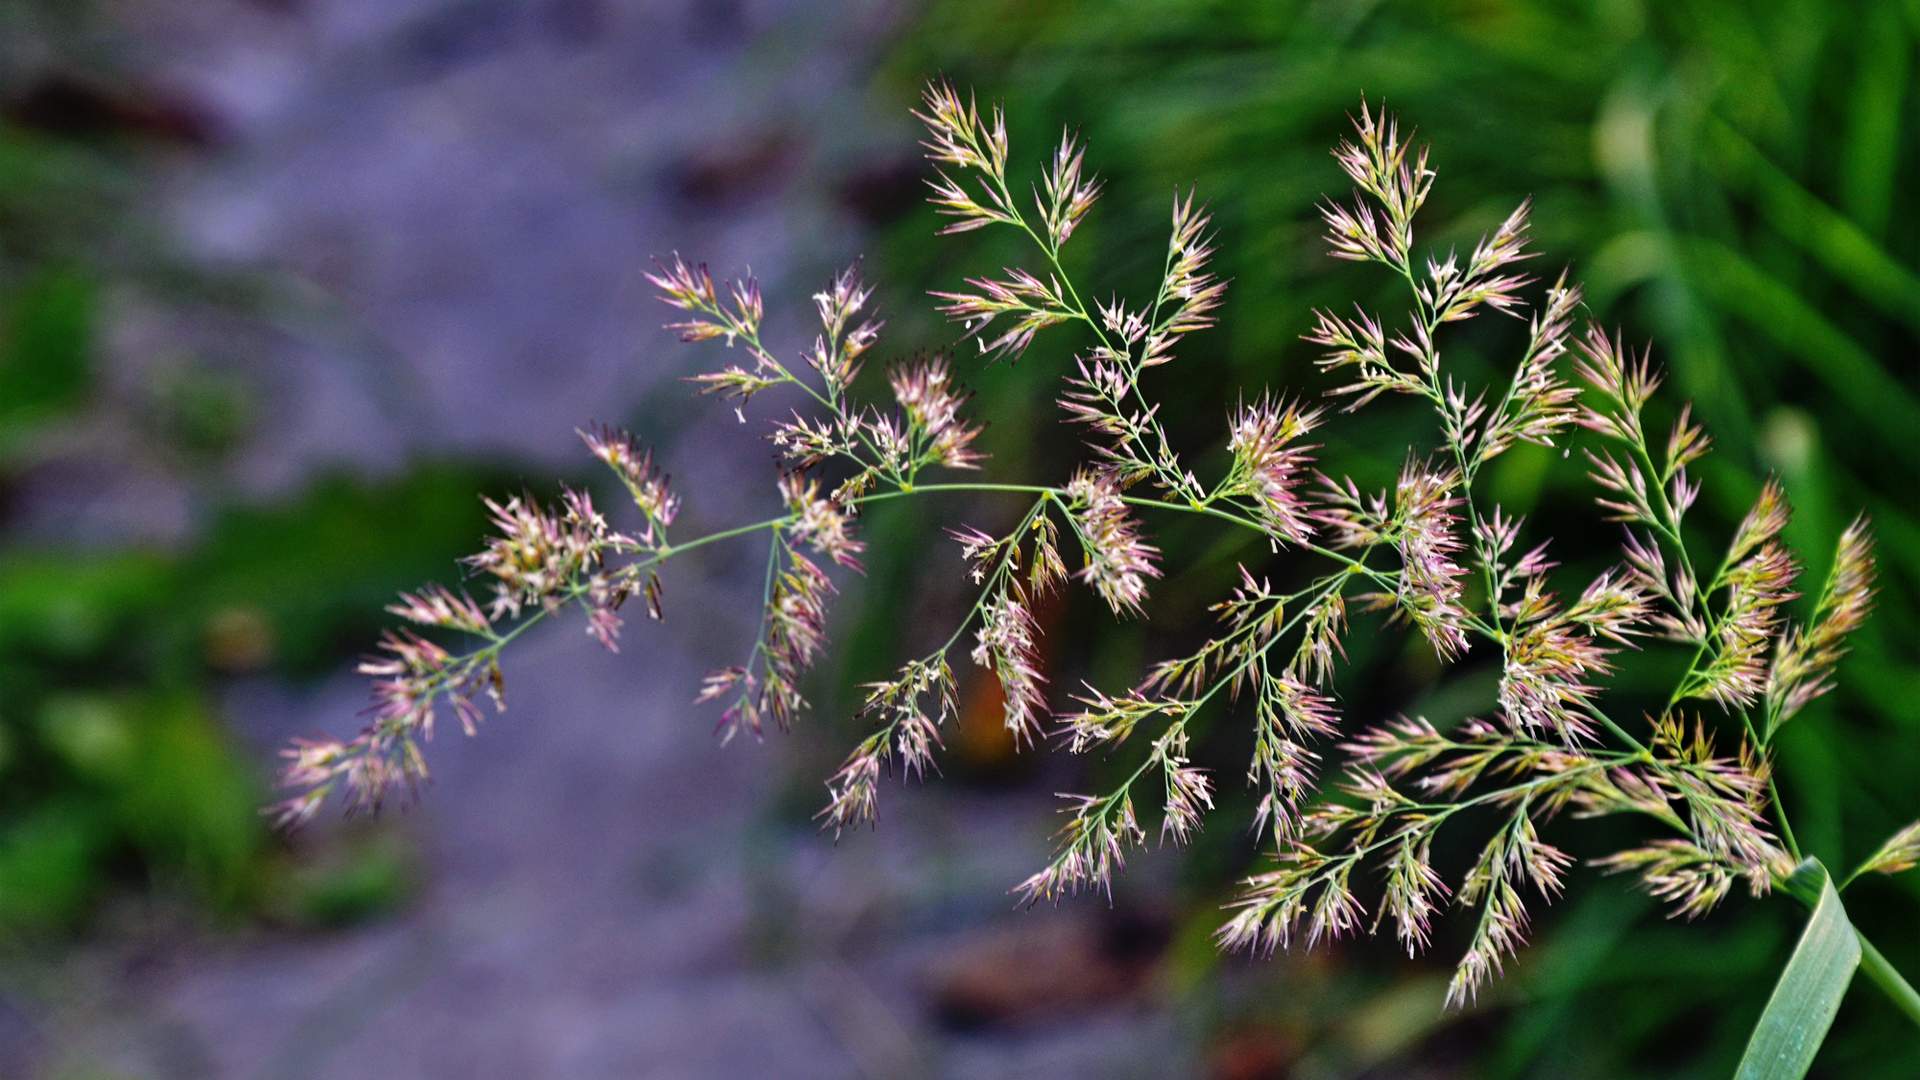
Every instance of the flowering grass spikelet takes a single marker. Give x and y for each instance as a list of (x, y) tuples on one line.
[(1118, 562), (1270, 464)]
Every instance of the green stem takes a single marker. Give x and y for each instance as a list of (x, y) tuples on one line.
[(1619, 732), (1872, 961), (1000, 572), (1891, 982), (1773, 792), (667, 551), (1131, 500)]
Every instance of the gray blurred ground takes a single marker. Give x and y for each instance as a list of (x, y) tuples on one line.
[(455, 199)]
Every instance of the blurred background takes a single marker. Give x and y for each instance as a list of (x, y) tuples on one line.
[(286, 284)]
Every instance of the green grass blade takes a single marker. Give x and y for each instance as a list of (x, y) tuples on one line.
[(1809, 992)]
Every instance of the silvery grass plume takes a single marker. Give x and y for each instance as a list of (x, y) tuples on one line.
[(1352, 847)]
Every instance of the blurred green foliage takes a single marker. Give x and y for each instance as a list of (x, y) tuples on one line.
[(115, 769), (113, 766), (1735, 183), (45, 333)]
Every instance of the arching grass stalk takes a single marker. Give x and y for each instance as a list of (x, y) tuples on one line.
[(1432, 552)]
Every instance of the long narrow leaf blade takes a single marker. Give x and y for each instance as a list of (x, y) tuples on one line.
[(1809, 991)]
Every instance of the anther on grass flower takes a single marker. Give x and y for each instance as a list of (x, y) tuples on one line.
[(1552, 653), (1806, 655), (1452, 293), (438, 606), (795, 634), (1425, 531), (1067, 196), (1028, 304), (1093, 845), (539, 552), (1118, 562), (1394, 173), (907, 739), (1189, 791), (1676, 619), (1320, 633), (633, 464), (1539, 403), (1682, 874), (957, 136), (926, 391), (1900, 853), (1359, 343), (1287, 715), (1270, 464), (1432, 551), (1007, 645), (1189, 293), (1514, 857), (837, 350), (818, 522), (1108, 721)]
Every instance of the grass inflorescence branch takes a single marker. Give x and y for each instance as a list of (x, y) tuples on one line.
[(1431, 551)]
